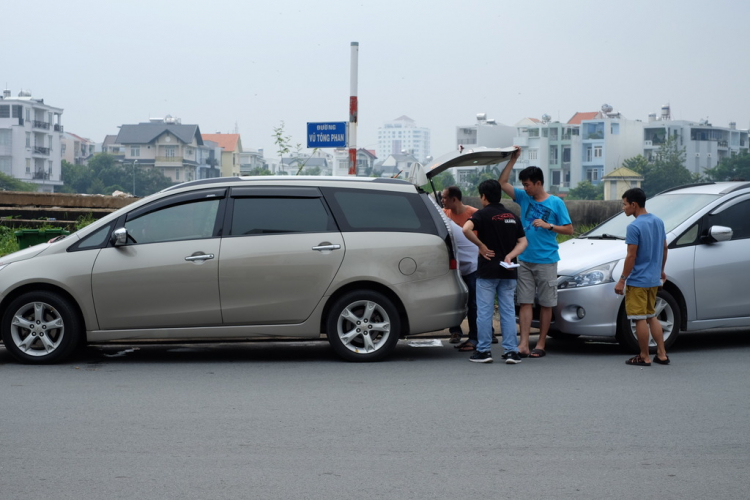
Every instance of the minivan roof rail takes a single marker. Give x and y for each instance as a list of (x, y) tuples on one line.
[(737, 188)]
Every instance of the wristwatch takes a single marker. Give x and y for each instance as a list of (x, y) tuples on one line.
[(551, 227)]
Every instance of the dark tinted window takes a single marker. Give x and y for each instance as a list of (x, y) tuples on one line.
[(363, 210), (736, 217), (280, 215), (188, 221)]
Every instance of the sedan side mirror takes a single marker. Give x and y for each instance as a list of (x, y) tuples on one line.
[(717, 234), (119, 237)]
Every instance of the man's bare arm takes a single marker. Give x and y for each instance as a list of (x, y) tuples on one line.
[(505, 174)]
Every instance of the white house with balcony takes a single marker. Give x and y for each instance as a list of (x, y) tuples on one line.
[(30, 147), (607, 140), (550, 145), (165, 144), (705, 145)]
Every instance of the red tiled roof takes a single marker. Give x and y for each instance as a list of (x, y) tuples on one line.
[(579, 117), (226, 141)]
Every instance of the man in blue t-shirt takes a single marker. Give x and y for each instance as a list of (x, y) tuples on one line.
[(644, 271), (544, 216)]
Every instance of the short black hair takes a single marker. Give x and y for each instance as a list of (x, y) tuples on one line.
[(532, 174), (454, 192), (491, 190), (635, 195)]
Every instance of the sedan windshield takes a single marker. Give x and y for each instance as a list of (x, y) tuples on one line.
[(672, 208)]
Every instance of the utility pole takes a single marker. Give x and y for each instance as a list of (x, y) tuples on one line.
[(353, 109)]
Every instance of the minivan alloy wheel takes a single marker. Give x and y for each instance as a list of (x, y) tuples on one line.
[(39, 327), (363, 326)]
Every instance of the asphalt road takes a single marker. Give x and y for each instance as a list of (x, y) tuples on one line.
[(289, 420)]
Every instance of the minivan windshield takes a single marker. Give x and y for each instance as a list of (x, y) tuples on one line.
[(672, 208)]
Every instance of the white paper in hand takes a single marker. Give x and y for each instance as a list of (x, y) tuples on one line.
[(508, 266)]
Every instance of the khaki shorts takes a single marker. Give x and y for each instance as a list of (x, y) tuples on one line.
[(640, 302), (537, 281)]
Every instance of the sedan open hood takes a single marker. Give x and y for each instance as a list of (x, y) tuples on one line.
[(476, 157)]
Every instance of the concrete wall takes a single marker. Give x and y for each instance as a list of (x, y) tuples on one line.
[(582, 212)]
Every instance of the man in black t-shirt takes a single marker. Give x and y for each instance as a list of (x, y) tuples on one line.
[(500, 238)]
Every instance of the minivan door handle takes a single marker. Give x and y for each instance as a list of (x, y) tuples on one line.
[(320, 248), (206, 256)]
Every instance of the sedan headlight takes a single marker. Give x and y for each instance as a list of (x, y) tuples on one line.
[(594, 276)]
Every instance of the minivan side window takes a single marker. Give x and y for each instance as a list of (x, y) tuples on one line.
[(188, 221), (269, 215), (735, 217), (364, 210)]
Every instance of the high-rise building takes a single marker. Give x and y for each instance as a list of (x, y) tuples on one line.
[(403, 136)]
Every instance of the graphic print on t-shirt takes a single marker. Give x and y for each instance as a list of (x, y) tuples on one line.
[(536, 211)]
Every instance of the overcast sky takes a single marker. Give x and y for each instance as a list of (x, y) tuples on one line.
[(248, 64)]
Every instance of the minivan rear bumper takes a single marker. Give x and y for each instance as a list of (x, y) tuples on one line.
[(434, 304)]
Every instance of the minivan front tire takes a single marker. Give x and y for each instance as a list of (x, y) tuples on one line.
[(363, 325), (669, 315), (40, 327)]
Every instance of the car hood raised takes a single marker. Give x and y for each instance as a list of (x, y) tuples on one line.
[(579, 254)]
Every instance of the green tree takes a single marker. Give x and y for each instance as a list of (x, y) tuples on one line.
[(104, 175), (636, 164), (8, 183), (667, 169), (441, 181), (735, 168), (585, 190), (259, 171)]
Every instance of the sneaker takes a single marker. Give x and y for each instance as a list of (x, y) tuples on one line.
[(455, 338), (481, 357), (512, 358)]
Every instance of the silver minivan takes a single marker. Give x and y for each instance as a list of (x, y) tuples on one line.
[(708, 267), (365, 261)]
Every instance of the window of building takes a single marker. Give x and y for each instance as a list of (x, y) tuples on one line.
[(597, 151), (17, 111), (28, 165), (177, 174), (28, 114), (170, 151), (593, 175), (556, 177), (5, 137), (4, 111), (5, 165), (615, 129), (589, 154), (533, 154), (28, 139), (553, 155), (135, 151)]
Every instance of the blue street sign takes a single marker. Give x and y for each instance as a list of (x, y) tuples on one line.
[(326, 135)]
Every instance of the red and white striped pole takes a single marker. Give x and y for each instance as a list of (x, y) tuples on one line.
[(352, 136)]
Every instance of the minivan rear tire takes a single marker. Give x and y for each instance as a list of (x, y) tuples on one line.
[(363, 325)]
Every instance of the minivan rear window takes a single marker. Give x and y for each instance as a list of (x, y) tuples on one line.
[(364, 210)]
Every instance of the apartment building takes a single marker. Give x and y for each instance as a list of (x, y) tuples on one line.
[(484, 133), (166, 144), (705, 145), (553, 146), (403, 136), (30, 143), (231, 149), (76, 149)]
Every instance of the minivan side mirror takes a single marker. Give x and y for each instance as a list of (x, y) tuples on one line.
[(717, 234), (119, 237)]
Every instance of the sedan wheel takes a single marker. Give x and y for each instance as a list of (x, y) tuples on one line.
[(363, 326), (40, 327), (668, 314)]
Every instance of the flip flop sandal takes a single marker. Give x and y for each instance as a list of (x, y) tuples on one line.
[(637, 361)]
